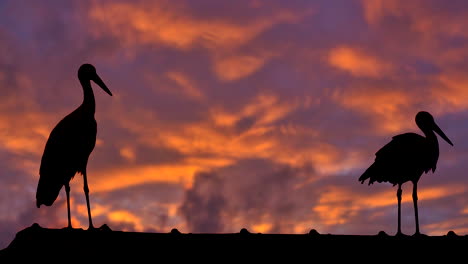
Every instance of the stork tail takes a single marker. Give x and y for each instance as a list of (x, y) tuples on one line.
[(47, 192), (370, 174)]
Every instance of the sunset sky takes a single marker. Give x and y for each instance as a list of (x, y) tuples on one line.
[(229, 114)]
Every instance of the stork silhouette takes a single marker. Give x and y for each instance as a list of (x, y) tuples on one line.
[(69, 145), (405, 158)]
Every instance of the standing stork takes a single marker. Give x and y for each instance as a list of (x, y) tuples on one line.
[(69, 145), (405, 158)]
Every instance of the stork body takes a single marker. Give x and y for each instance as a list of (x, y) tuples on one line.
[(69, 146), (406, 158)]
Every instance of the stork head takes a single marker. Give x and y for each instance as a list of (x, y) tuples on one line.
[(88, 72), (426, 123)]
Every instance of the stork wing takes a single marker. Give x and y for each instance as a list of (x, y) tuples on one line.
[(406, 152), (58, 153), (404, 147), (69, 145), (404, 157), (66, 152)]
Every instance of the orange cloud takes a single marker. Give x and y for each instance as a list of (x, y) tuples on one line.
[(173, 26), (378, 101), (188, 86), (357, 62), (123, 177), (124, 216), (331, 159), (420, 16), (465, 211), (457, 225), (374, 10), (206, 137), (337, 205), (23, 129), (388, 198), (258, 140), (221, 143), (389, 108), (262, 227), (218, 146), (116, 216), (302, 227), (237, 67), (265, 107), (24, 133), (452, 94), (128, 153)]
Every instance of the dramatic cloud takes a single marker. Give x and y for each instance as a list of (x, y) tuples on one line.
[(171, 24), (233, 68), (255, 194), (453, 91), (227, 114), (357, 63), (425, 17)]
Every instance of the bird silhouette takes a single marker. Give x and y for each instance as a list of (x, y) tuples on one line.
[(405, 158), (69, 145)]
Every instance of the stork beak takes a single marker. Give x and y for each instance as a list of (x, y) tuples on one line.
[(437, 129), (101, 84)]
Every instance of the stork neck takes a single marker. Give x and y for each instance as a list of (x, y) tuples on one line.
[(432, 149), (432, 138), (88, 100)]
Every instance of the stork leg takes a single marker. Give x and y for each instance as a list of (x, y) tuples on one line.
[(399, 209), (86, 191), (415, 202), (67, 191)]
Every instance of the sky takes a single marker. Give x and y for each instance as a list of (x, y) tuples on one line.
[(235, 114)]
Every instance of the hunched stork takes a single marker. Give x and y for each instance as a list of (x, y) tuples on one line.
[(405, 158)]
